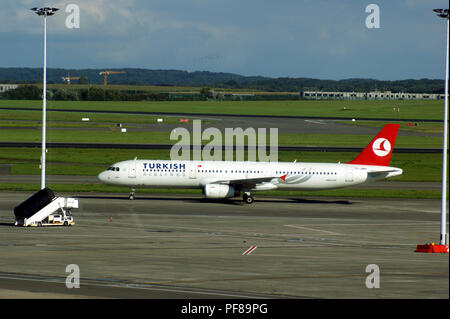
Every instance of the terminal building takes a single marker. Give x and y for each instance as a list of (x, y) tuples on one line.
[(6, 87), (387, 95)]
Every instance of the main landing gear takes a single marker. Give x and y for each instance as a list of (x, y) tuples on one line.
[(248, 198), (132, 194)]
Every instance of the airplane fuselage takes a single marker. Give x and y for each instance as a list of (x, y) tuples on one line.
[(197, 174)]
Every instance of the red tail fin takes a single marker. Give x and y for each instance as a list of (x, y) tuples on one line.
[(379, 150)]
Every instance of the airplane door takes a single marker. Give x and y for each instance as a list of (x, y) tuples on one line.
[(349, 174), (193, 170), (132, 170)]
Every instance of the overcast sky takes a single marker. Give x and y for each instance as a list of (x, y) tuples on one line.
[(283, 38)]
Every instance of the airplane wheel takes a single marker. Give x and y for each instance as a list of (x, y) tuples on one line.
[(248, 199), (132, 194)]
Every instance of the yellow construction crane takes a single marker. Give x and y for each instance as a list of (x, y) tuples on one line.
[(68, 78), (106, 73)]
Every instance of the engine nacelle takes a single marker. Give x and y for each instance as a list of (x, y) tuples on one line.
[(219, 191)]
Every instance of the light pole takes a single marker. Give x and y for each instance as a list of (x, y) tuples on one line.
[(45, 12), (444, 13)]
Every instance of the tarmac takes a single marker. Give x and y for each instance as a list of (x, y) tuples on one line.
[(184, 246)]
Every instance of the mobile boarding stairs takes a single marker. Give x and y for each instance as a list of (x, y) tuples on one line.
[(45, 209)]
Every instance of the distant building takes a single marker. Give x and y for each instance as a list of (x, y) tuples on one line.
[(6, 87), (387, 95)]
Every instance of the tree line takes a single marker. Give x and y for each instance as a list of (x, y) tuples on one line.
[(32, 92), (221, 80)]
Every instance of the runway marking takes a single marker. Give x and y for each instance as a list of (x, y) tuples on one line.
[(250, 250), (314, 229), (315, 122)]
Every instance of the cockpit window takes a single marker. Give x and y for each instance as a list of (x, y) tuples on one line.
[(114, 169), (117, 169)]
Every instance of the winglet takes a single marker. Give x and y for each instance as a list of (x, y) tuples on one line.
[(283, 178), (379, 150)]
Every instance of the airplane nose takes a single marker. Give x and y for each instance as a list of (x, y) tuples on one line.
[(102, 176)]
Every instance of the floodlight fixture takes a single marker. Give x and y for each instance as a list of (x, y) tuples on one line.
[(442, 13), (44, 11)]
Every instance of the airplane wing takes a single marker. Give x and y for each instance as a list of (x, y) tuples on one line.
[(250, 183)]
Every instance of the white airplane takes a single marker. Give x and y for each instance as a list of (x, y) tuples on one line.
[(226, 179)]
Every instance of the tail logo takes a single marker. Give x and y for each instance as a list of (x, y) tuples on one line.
[(381, 147)]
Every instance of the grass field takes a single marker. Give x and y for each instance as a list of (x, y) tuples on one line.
[(19, 118), (113, 135), (332, 108)]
